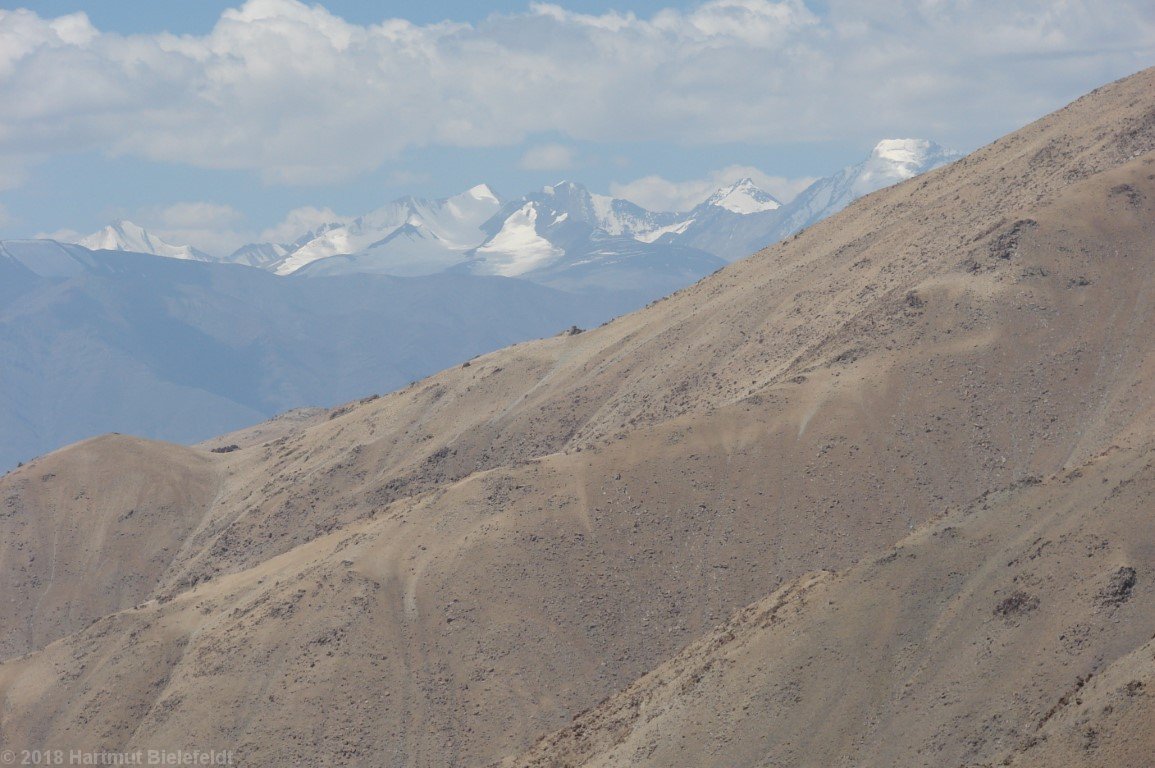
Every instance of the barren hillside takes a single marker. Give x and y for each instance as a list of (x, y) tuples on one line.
[(447, 574), (1014, 631)]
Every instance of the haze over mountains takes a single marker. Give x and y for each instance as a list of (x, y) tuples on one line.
[(97, 341), (479, 232), (876, 495), (102, 341), (123, 235)]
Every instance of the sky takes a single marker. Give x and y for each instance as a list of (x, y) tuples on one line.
[(219, 123)]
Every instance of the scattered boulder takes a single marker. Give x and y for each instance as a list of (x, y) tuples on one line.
[(1128, 193), (1018, 604), (1006, 245), (1119, 588)]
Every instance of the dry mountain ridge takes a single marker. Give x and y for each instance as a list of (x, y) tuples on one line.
[(446, 574)]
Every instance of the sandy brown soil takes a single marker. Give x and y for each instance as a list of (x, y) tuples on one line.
[(1014, 631), (960, 365), (286, 424)]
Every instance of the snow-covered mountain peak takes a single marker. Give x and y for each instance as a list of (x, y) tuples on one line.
[(552, 228), (483, 192), (611, 215), (892, 161), (911, 155), (895, 160), (564, 189), (124, 235), (743, 197), (566, 195), (454, 223), (517, 247)]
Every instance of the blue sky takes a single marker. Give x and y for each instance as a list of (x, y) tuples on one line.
[(217, 123)]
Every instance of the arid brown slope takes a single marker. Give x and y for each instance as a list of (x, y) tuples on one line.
[(90, 531), (965, 645), (833, 306), (1105, 720), (283, 425), (442, 575)]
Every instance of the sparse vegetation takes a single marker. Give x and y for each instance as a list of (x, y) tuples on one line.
[(847, 504), (1017, 604), (1119, 588)]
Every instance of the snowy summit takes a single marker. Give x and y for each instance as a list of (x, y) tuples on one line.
[(560, 235), (895, 160), (122, 235), (744, 197)]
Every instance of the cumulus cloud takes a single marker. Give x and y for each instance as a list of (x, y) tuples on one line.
[(221, 229), (659, 194), (211, 227), (65, 235), (547, 157), (293, 92), (214, 228), (299, 221), (195, 215), (215, 242)]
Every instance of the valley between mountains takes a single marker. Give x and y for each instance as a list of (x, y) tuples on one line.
[(879, 494), (125, 332)]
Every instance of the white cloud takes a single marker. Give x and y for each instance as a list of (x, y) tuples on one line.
[(213, 241), (547, 157), (760, 23), (211, 227), (403, 178), (297, 94), (60, 235), (783, 188), (658, 194), (299, 221), (214, 228), (14, 169), (220, 229), (196, 215)]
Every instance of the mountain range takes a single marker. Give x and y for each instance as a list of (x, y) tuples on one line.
[(112, 341), (558, 228), (96, 339), (879, 494)]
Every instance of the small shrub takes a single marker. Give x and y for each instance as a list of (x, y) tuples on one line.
[(1119, 588), (1017, 604)]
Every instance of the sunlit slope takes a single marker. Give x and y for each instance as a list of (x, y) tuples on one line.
[(444, 575), (90, 531), (1014, 631)]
